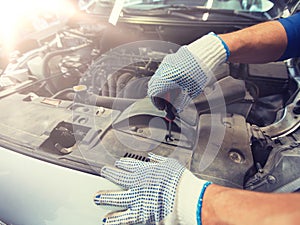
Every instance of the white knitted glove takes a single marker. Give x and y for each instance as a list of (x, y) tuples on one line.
[(183, 75), (159, 191)]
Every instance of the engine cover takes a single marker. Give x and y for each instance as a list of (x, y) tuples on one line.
[(226, 160)]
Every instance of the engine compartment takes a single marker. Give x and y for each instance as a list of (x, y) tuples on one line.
[(77, 99)]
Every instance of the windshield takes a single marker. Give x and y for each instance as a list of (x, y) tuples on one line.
[(238, 5), (258, 10), (241, 5)]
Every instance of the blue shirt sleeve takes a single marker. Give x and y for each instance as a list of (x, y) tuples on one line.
[(292, 27)]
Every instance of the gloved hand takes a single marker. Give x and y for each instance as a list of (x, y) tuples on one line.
[(183, 75), (158, 191)]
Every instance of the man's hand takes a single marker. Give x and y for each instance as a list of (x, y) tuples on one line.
[(161, 190), (183, 75)]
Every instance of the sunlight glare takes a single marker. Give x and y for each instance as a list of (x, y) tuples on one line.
[(16, 17)]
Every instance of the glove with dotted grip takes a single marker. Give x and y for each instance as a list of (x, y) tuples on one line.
[(160, 191), (183, 75)]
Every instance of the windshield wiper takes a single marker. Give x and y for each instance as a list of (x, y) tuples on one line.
[(185, 12)]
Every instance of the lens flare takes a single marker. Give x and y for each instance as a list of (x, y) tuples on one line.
[(18, 17)]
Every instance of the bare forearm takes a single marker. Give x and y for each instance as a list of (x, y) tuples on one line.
[(223, 205), (260, 43)]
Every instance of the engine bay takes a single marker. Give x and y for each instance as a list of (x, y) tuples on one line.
[(75, 95)]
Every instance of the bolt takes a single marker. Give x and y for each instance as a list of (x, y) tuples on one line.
[(271, 179), (236, 157)]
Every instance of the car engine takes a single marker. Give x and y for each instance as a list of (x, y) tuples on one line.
[(73, 96)]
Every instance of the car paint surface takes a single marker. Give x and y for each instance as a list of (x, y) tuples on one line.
[(34, 192)]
